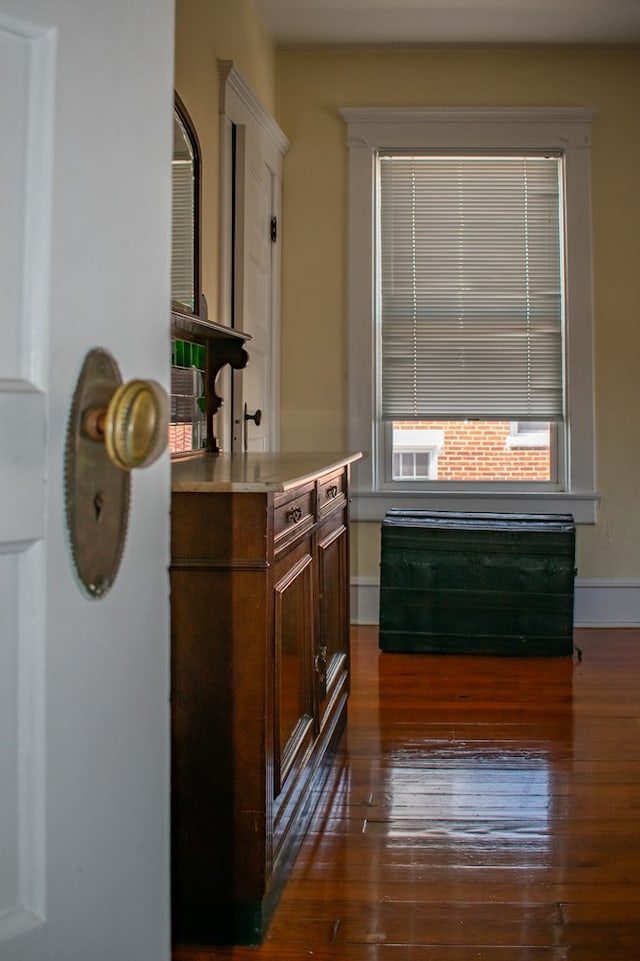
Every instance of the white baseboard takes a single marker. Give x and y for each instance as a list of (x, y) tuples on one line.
[(607, 602), (365, 600), (599, 602)]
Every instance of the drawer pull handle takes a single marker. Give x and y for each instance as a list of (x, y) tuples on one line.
[(293, 515), (332, 491)]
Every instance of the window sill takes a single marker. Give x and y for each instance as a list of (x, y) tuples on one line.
[(373, 505)]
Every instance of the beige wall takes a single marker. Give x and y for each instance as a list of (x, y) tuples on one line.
[(303, 90), (207, 31), (312, 86)]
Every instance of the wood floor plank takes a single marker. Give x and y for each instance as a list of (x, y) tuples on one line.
[(480, 809)]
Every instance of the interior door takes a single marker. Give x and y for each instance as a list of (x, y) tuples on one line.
[(252, 152), (253, 289), (86, 106)]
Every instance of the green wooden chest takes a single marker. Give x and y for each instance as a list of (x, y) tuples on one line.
[(460, 583)]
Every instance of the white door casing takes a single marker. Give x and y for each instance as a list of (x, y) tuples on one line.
[(86, 95), (252, 156)]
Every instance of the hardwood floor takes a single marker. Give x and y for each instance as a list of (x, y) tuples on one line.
[(481, 808)]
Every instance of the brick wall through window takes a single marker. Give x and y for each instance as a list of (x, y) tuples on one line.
[(481, 451)]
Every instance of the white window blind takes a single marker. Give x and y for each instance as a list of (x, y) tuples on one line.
[(183, 222), (471, 306)]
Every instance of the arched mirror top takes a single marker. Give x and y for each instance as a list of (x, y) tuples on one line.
[(185, 248)]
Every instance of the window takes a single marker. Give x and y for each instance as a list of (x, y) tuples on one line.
[(529, 434), (411, 464), (415, 452), (187, 427), (470, 308), (185, 232), (187, 424)]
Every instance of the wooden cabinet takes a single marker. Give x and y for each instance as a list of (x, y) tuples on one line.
[(260, 677)]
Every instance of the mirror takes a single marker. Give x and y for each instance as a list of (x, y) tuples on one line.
[(185, 247)]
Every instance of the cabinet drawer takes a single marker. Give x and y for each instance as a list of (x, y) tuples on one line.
[(332, 491), (293, 513)]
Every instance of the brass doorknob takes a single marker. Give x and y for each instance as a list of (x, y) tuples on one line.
[(137, 424), (134, 426)]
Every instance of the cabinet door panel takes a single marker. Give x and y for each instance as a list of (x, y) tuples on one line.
[(332, 647), (293, 660)]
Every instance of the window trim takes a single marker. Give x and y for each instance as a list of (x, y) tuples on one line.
[(567, 130)]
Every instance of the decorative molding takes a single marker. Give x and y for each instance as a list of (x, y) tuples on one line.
[(232, 83), (599, 602), (468, 114), (474, 127), (216, 564)]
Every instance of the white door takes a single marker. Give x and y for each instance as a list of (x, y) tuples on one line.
[(252, 159), (86, 107), (253, 289)]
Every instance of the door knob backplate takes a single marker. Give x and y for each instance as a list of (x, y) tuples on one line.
[(112, 428)]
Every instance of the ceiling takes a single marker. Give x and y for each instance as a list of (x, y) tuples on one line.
[(417, 22)]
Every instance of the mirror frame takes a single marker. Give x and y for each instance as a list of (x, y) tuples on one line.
[(187, 123)]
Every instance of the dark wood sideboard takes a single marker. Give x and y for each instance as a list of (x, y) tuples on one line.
[(260, 676)]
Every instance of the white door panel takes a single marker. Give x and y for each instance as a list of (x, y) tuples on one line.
[(252, 159), (22, 431), (26, 156), (253, 283), (84, 262)]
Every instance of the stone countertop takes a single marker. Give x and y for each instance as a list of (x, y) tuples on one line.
[(254, 472)]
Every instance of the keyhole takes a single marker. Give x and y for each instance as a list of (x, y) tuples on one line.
[(98, 503)]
